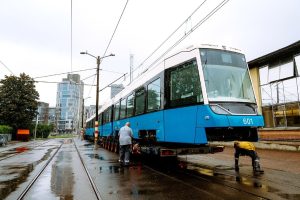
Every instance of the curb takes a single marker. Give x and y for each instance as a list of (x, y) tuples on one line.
[(283, 146)]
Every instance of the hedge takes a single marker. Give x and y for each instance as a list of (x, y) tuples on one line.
[(4, 129)]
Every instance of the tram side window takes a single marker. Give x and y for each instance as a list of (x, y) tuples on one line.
[(140, 101), (109, 112), (104, 117), (130, 105), (100, 119), (154, 95), (116, 111), (184, 85), (123, 109)]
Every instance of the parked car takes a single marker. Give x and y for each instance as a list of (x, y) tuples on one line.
[(3, 140)]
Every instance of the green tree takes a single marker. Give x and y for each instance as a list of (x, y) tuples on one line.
[(18, 101), (42, 130)]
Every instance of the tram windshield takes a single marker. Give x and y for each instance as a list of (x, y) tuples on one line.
[(226, 76)]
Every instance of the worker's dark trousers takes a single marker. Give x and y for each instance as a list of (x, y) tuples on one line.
[(251, 153), (124, 154)]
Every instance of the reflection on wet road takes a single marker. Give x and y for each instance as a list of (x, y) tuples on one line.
[(280, 180), (16, 171), (208, 176), (64, 178), (142, 182)]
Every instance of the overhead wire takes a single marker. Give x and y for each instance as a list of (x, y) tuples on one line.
[(71, 36), (88, 77), (211, 13), (112, 82), (114, 32), (115, 28), (7, 67), (63, 83), (218, 7), (159, 46), (88, 69), (46, 76)]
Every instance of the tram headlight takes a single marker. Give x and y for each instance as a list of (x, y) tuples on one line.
[(219, 110)]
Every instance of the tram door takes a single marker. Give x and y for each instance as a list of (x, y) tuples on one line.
[(183, 94)]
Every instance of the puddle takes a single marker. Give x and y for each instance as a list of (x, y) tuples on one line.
[(21, 149), (62, 176), (89, 144), (68, 141), (110, 169), (95, 155), (18, 174), (219, 172)]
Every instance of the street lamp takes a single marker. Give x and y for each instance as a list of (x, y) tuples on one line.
[(98, 58)]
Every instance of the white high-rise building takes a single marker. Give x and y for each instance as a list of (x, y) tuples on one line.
[(69, 101)]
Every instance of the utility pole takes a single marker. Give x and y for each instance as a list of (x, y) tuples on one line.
[(98, 58), (97, 100)]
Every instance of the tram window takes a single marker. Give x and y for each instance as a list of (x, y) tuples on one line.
[(130, 105), (123, 109), (140, 101), (184, 85), (100, 120), (109, 114), (104, 117), (116, 111), (297, 62), (154, 95)]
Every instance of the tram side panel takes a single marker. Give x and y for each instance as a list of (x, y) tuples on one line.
[(180, 125), (148, 126)]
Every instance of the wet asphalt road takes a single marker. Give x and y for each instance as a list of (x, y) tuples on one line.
[(201, 176)]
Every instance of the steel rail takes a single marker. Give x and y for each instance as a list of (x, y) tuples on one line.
[(25, 191), (228, 185), (97, 193), (251, 177), (15, 154), (219, 182)]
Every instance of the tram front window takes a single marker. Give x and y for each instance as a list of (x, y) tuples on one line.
[(226, 76)]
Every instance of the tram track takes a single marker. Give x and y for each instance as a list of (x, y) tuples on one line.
[(27, 192), (28, 187), (23, 149), (258, 179), (216, 180), (180, 175), (95, 189)]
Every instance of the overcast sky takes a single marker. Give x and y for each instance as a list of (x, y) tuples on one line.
[(35, 35)]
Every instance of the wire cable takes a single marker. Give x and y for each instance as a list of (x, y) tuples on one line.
[(88, 77), (186, 20), (7, 68), (112, 82), (91, 87), (115, 28), (211, 13), (73, 83), (64, 73), (71, 36)]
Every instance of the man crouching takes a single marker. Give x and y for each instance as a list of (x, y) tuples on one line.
[(246, 149)]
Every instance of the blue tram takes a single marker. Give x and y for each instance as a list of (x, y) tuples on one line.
[(197, 95)]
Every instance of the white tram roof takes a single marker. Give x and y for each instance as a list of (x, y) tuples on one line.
[(177, 58)]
